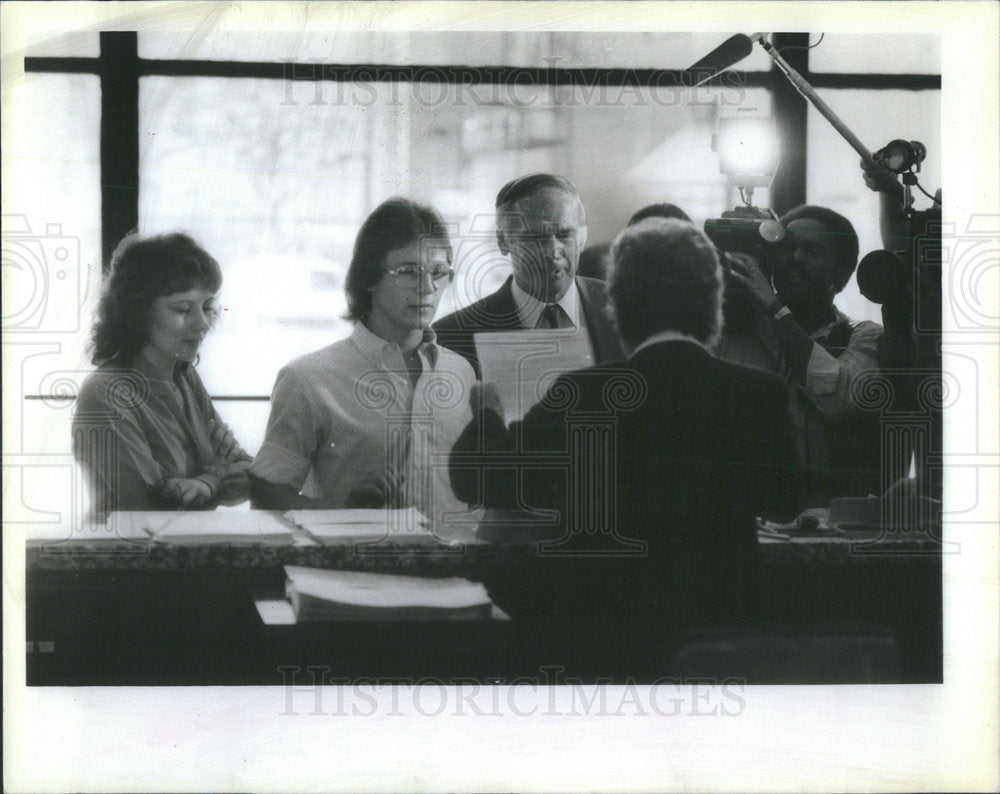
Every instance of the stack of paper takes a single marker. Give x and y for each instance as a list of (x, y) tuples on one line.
[(209, 527), (336, 527), (354, 595)]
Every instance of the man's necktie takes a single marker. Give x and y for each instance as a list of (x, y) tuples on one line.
[(554, 316)]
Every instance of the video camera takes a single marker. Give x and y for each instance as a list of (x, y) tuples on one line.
[(748, 230), (753, 231)]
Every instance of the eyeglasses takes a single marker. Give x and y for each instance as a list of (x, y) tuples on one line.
[(412, 275)]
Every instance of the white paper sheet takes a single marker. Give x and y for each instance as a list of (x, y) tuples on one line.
[(522, 365), (196, 527)]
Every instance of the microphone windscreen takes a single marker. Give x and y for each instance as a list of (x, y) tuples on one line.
[(731, 51)]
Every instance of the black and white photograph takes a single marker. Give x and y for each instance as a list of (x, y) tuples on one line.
[(489, 396)]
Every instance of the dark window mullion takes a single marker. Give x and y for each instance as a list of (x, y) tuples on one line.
[(791, 113), (118, 70), (307, 71), (876, 82)]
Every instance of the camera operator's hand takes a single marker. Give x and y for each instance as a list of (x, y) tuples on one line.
[(745, 271), (880, 179)]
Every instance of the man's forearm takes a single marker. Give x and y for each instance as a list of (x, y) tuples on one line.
[(266, 495), (892, 225), (796, 345), (471, 460)]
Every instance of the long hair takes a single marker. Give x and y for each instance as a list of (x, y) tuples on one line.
[(394, 223), (142, 270)]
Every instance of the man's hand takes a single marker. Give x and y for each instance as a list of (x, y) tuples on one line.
[(879, 179), (375, 491), (188, 493), (485, 397), (745, 271)]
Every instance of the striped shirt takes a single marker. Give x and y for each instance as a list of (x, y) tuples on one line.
[(350, 413)]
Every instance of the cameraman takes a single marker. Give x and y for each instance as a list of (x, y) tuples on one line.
[(817, 349)]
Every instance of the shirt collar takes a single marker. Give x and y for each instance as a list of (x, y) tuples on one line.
[(529, 308), (665, 336), (823, 331), (378, 349)]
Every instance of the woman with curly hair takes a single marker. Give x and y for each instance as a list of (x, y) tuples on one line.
[(145, 431)]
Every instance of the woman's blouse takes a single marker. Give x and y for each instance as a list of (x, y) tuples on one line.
[(133, 431)]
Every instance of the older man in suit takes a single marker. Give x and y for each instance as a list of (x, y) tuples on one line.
[(542, 226), (656, 465)]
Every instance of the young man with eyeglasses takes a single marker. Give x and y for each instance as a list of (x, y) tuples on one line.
[(369, 421)]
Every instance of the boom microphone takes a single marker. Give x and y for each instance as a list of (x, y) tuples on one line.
[(731, 51)]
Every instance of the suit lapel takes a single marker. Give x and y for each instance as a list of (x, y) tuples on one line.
[(502, 309), (603, 335)]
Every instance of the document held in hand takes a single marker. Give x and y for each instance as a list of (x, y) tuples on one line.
[(522, 365)]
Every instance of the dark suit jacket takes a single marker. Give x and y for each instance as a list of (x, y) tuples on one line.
[(675, 450), (497, 312)]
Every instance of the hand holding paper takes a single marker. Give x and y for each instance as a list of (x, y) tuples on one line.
[(485, 397)]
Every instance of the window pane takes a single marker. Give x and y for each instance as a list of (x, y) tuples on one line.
[(666, 156), (51, 233), (276, 193), (51, 277), (914, 53), (833, 172), (75, 44), (275, 182), (467, 48)]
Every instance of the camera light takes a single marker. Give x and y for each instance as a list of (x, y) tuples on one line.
[(748, 150), (899, 155)]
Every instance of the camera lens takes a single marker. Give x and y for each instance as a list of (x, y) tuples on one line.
[(771, 231)]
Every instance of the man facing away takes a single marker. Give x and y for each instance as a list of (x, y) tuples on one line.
[(542, 226), (678, 450)]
